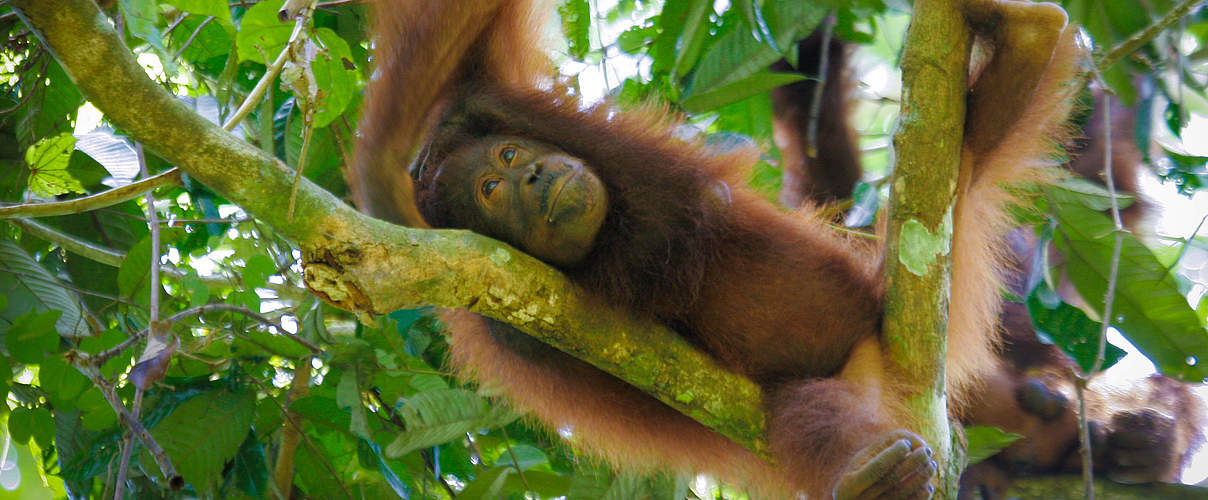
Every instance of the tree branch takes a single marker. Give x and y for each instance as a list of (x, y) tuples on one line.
[(1070, 486), (363, 264), (928, 145), (100, 200)]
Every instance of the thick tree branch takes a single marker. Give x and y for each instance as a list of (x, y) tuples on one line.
[(364, 264), (928, 145)]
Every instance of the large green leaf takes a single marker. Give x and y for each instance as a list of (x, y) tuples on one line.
[(1070, 329), (335, 75), (755, 84), (985, 441), (47, 161), (205, 432), (217, 8), (32, 336), (38, 423), (441, 416), (1148, 307), (30, 287), (261, 34), (134, 275), (692, 38), (142, 21), (738, 55), (576, 24)]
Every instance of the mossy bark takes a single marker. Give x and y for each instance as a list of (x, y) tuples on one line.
[(935, 63)]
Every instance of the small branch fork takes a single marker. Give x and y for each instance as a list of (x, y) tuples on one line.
[(175, 481)]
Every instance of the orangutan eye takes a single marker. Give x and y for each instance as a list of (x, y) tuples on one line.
[(507, 155), (488, 187)]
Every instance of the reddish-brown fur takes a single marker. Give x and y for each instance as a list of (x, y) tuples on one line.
[(775, 296), (1031, 390), (1143, 431)]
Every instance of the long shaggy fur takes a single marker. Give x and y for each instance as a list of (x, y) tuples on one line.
[(776, 296)]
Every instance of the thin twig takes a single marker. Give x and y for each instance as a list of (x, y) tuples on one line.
[(170, 177), (103, 356), (270, 74), (134, 426), (507, 442), (306, 134), (283, 471), (1105, 61), (1109, 296), (175, 24), (153, 223), (192, 37)]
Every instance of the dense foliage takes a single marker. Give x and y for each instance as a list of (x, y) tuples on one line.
[(220, 295)]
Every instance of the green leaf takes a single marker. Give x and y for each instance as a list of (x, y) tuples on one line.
[(21, 424), (589, 483), (142, 19), (1070, 329), (670, 25), (633, 39), (760, 30), (986, 441), (207, 48), (30, 287), (754, 84), (488, 484), (335, 75), (692, 38), (626, 485), (576, 25), (38, 423), (523, 457), (261, 34), (62, 382), (392, 478), (195, 289), (441, 416), (96, 413), (205, 432), (257, 270), (32, 336), (348, 396), (134, 275), (322, 411), (52, 108), (217, 8), (1092, 194), (47, 161), (1148, 307), (249, 468), (737, 56)]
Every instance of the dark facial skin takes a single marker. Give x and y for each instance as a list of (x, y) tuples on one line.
[(529, 194)]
